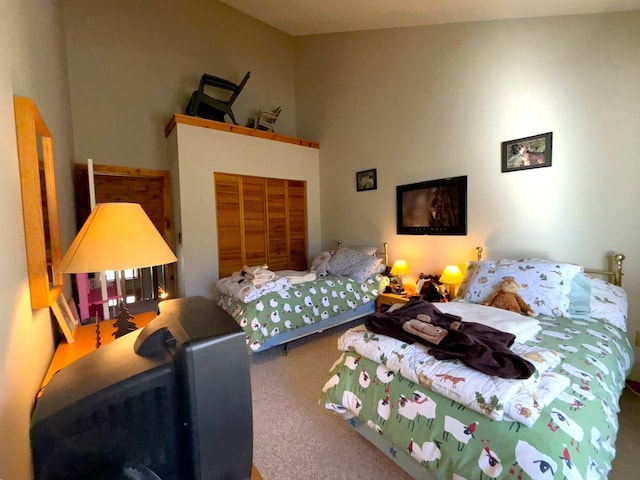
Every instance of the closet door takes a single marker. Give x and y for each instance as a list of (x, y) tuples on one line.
[(254, 221), (260, 221), (228, 191), (278, 244), (297, 224)]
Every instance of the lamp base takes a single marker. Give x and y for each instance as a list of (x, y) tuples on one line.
[(98, 340), (123, 324)]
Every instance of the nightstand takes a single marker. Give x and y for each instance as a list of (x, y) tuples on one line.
[(385, 300), (85, 342)]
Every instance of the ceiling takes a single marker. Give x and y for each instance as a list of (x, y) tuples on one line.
[(306, 17)]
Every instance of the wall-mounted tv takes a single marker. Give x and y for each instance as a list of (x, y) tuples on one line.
[(434, 207)]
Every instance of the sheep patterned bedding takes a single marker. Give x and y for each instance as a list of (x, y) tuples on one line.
[(303, 304), (573, 438)]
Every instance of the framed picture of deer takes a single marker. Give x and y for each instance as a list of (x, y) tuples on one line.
[(528, 152)]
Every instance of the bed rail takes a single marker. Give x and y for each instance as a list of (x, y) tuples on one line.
[(385, 246), (615, 274)]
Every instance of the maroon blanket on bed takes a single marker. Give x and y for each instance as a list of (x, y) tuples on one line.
[(478, 346)]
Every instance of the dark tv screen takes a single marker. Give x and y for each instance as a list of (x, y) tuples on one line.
[(434, 207)]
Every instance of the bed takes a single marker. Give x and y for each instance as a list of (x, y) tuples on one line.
[(442, 419), (344, 287)]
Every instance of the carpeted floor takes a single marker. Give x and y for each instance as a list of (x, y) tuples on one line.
[(295, 438)]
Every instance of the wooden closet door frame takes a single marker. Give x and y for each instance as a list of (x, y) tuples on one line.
[(165, 176)]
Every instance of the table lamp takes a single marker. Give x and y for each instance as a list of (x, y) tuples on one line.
[(117, 236), (400, 268), (451, 277)]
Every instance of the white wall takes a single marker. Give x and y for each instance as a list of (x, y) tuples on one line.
[(33, 64), (132, 65), (433, 102), (200, 153)]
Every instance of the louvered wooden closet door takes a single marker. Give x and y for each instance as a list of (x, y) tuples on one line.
[(277, 221), (260, 221), (229, 214), (297, 209), (254, 221)]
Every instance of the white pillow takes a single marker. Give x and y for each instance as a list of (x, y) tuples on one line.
[(609, 303), (320, 263), (354, 264), (469, 273), (544, 285), (371, 251)]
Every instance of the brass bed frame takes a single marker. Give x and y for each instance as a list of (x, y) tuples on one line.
[(615, 273)]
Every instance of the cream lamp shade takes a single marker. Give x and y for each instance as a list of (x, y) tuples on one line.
[(116, 236), (400, 268), (451, 275)]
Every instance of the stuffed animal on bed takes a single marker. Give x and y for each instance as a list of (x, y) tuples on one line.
[(423, 328), (507, 298), (430, 288)]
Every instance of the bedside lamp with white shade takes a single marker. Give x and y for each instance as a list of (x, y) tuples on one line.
[(451, 277), (399, 269)]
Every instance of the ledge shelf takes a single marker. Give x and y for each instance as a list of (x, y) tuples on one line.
[(228, 127)]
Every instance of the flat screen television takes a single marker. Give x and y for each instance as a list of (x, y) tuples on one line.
[(171, 400), (434, 207)]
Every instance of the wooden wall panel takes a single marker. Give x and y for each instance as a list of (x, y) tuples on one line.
[(150, 188), (146, 191)]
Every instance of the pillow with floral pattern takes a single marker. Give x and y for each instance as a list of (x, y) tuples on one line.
[(609, 303), (544, 284)]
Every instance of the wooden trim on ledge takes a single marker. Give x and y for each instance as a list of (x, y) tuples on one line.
[(228, 127)]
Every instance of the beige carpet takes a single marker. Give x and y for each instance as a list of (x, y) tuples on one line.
[(295, 438)]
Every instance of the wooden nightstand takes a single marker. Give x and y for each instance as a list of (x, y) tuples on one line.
[(85, 343), (385, 300)]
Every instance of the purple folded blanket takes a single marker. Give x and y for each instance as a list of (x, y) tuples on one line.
[(478, 346)]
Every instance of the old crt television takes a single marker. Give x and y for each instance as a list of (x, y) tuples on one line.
[(172, 400)]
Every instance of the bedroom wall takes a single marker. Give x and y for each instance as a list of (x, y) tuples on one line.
[(196, 153), (434, 102), (33, 64), (132, 65)]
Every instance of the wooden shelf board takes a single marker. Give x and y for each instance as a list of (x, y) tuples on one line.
[(228, 127)]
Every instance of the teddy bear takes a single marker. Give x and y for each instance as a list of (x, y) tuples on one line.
[(507, 298)]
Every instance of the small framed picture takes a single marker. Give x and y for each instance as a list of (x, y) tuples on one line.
[(528, 152), (65, 317), (366, 180)]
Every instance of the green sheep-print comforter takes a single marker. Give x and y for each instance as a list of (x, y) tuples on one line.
[(303, 304), (573, 438)]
